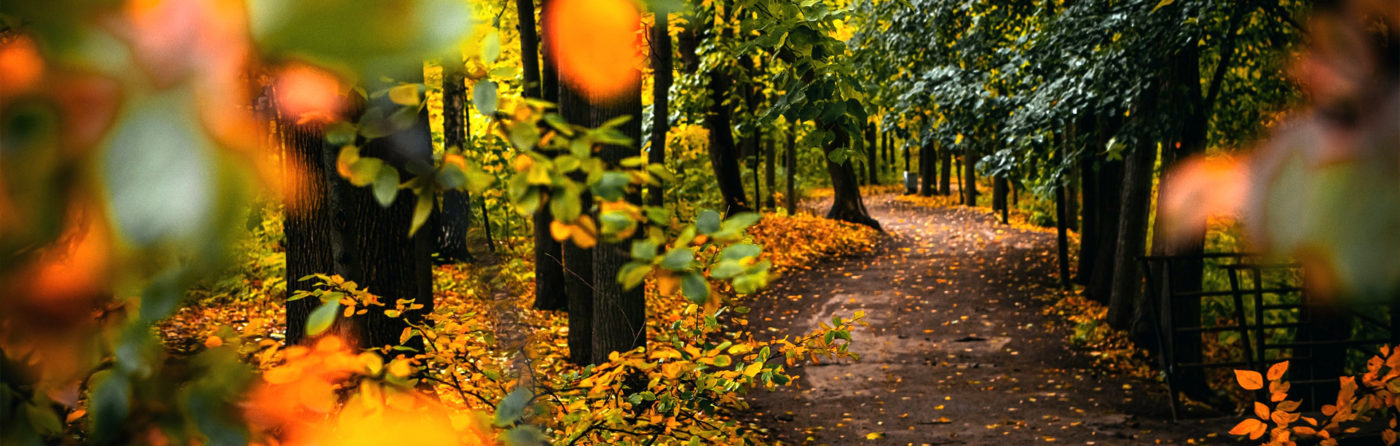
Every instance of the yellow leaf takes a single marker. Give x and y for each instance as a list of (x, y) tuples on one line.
[(874, 435), (753, 369), (1249, 379), (406, 95), (559, 230), (1278, 370)]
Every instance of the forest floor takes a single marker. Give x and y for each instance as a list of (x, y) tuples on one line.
[(958, 350)]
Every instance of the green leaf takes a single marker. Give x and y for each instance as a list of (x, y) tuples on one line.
[(707, 222), (750, 283), (694, 287), (364, 171), (741, 221), (484, 97), (322, 317), (386, 186), (727, 269), (615, 222), (513, 406), (491, 48), (632, 274), (421, 211), (565, 204), (612, 186), (44, 420), (677, 259), (740, 251), (524, 436), (643, 250)]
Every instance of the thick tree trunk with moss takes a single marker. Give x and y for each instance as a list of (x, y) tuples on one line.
[(846, 203)]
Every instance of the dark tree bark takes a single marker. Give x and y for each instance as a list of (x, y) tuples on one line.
[(945, 175), (578, 262), (1061, 238), (307, 225), (846, 204), (770, 171), (1109, 205), (550, 280), (969, 178), (927, 159), (1089, 214), (549, 76), (375, 249), (872, 154), (1126, 290), (1071, 202), (999, 195), (724, 155), (660, 121), (529, 48), (791, 169), (454, 220), (619, 315)]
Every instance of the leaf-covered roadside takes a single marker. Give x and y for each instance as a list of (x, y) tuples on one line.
[(701, 359)]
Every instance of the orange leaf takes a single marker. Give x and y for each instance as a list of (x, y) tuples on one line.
[(1258, 431), (1249, 379), (1278, 370), (1261, 410), (1246, 426)]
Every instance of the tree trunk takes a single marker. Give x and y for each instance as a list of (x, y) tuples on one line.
[(1106, 246), (770, 172), (529, 48), (619, 315), (969, 178), (660, 116), (1126, 289), (999, 195), (376, 250), (1089, 232), (578, 262), (307, 226), (927, 158), (724, 155), (1061, 239), (846, 203), (549, 75), (872, 154), (454, 220), (791, 169), (945, 175)]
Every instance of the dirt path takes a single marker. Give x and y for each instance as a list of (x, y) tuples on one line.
[(957, 351)]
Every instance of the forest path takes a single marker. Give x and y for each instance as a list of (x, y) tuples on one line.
[(957, 351)]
